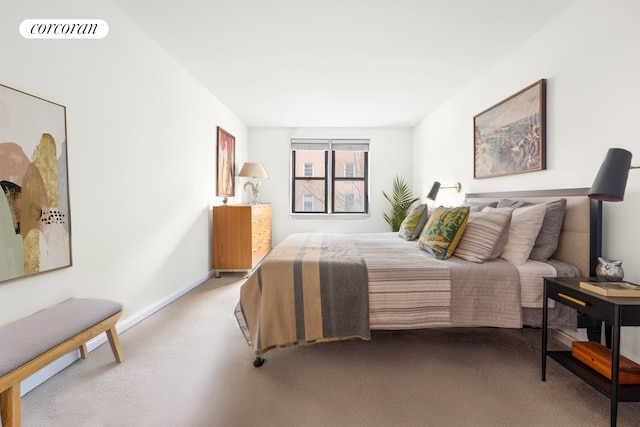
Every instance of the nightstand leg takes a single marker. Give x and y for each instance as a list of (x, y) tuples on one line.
[(545, 305), (615, 364)]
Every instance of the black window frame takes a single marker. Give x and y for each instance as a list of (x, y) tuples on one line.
[(330, 179), (295, 179)]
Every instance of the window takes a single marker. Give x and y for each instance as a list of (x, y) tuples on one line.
[(349, 202), (329, 176), (308, 169), (350, 170), (307, 203)]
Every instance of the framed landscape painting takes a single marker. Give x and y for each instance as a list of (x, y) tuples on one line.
[(35, 222), (226, 171), (510, 137)]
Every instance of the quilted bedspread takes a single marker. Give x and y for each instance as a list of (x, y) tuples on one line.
[(316, 287), (409, 289)]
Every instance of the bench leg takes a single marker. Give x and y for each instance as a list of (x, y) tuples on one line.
[(114, 342), (84, 352), (10, 406)]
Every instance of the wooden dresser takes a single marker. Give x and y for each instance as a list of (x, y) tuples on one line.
[(241, 236)]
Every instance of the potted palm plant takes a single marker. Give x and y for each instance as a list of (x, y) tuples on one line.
[(401, 199)]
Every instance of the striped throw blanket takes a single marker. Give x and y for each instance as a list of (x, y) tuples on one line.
[(312, 287)]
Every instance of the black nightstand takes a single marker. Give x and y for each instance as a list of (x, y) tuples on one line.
[(617, 311)]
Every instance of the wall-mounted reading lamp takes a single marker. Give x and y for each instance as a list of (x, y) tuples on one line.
[(436, 187), (253, 170)]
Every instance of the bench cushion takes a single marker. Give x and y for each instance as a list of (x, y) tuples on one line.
[(25, 339)]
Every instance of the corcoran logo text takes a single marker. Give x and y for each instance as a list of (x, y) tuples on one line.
[(64, 29)]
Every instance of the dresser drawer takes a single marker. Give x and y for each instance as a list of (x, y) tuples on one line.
[(261, 233)]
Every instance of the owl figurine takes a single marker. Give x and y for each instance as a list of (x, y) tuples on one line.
[(609, 271)]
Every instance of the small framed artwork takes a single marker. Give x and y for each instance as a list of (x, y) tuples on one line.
[(226, 170), (35, 222), (510, 137)]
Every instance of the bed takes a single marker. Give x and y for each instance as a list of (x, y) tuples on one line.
[(318, 287)]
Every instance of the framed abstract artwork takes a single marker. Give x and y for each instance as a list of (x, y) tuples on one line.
[(226, 170), (35, 220), (510, 137)]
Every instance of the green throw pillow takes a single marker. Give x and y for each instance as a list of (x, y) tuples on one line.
[(443, 231)]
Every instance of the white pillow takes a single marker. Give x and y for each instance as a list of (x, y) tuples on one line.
[(523, 231)]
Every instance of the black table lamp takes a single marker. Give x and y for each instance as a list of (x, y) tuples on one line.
[(608, 186)]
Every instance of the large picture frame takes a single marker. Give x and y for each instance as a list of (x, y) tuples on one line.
[(226, 169), (35, 219), (510, 137)]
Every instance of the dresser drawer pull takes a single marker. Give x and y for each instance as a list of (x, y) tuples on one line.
[(572, 299)]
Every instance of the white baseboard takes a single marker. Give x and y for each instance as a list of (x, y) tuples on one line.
[(53, 368), (561, 336)]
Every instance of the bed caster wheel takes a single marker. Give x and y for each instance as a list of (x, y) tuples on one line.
[(258, 362)]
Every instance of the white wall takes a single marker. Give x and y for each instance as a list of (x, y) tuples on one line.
[(389, 155), (141, 145), (589, 55), (141, 155)]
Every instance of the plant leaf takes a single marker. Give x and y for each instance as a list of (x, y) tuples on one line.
[(401, 199)]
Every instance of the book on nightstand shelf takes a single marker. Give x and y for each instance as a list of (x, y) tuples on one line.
[(612, 289)]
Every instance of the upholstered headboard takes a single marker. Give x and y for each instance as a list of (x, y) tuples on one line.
[(580, 241)]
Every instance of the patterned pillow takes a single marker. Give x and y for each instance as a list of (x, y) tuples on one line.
[(423, 221), (485, 235), (443, 231), (413, 223)]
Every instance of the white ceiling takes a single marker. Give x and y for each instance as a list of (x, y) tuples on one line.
[(338, 63)]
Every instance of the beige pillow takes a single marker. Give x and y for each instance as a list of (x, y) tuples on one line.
[(485, 235), (523, 231), (547, 241)]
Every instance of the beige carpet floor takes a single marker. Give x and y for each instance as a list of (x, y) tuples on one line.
[(188, 365)]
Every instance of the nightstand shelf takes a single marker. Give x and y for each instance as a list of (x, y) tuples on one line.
[(626, 392), (616, 311)]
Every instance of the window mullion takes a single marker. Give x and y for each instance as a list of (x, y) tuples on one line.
[(329, 187)]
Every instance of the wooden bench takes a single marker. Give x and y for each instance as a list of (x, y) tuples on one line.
[(29, 344)]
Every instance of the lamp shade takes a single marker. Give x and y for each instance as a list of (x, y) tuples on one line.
[(253, 170), (434, 191), (611, 180)]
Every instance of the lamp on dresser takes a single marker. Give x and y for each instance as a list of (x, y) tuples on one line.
[(253, 170)]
